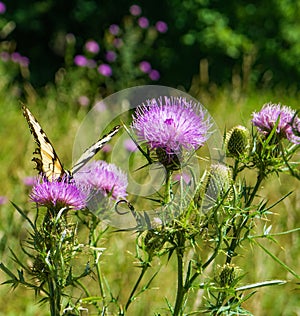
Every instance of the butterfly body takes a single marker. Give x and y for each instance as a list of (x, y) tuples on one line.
[(47, 161)]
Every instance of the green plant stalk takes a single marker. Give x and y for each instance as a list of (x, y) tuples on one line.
[(131, 296), (54, 297), (168, 187), (236, 237), (98, 269), (189, 282), (93, 241), (181, 290)]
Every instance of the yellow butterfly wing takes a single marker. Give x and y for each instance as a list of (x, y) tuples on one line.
[(48, 163)]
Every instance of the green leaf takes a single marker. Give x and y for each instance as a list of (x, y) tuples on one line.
[(260, 284), (278, 260)]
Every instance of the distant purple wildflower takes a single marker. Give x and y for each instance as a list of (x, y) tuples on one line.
[(106, 148), (145, 66), (106, 178), (105, 70), (161, 26), (24, 61), (114, 29), (183, 177), (5, 56), (19, 59), (58, 194), (135, 10), (110, 56), (80, 60), (118, 42), (2, 7), (100, 106), (154, 75), (15, 57), (143, 22), (171, 124), (3, 200), (29, 181), (288, 123), (92, 47), (130, 145), (83, 100)]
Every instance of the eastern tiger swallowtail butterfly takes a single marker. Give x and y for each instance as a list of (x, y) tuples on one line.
[(48, 163)]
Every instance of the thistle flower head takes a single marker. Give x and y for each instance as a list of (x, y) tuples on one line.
[(237, 141), (215, 186), (171, 124), (103, 177), (288, 123), (57, 194), (228, 274)]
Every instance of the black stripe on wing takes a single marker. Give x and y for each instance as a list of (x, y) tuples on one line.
[(90, 152), (48, 163)]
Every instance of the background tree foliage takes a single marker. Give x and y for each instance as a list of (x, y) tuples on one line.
[(259, 40)]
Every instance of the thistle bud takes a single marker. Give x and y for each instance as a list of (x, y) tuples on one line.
[(237, 141), (215, 186), (227, 275)]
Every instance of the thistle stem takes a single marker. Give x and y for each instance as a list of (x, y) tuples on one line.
[(131, 296), (94, 242), (54, 298), (168, 187), (236, 236), (180, 287)]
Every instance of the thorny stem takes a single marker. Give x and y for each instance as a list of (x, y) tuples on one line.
[(94, 242), (54, 298), (236, 236), (189, 282), (181, 290)]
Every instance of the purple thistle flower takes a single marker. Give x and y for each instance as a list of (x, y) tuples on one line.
[(130, 145), (92, 47), (143, 22), (24, 61), (80, 60), (105, 70), (114, 29), (103, 177), (182, 177), (15, 57), (288, 123), (154, 75), (5, 56), (145, 66), (110, 56), (100, 106), (83, 100), (161, 26), (172, 125), (135, 10), (3, 200), (106, 148), (58, 194), (2, 7), (29, 181)]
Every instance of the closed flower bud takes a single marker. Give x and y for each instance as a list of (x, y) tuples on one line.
[(227, 275), (215, 186), (237, 141)]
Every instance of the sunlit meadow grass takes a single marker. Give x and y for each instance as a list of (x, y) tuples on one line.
[(228, 107)]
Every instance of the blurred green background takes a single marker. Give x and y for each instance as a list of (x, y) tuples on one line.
[(233, 56)]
